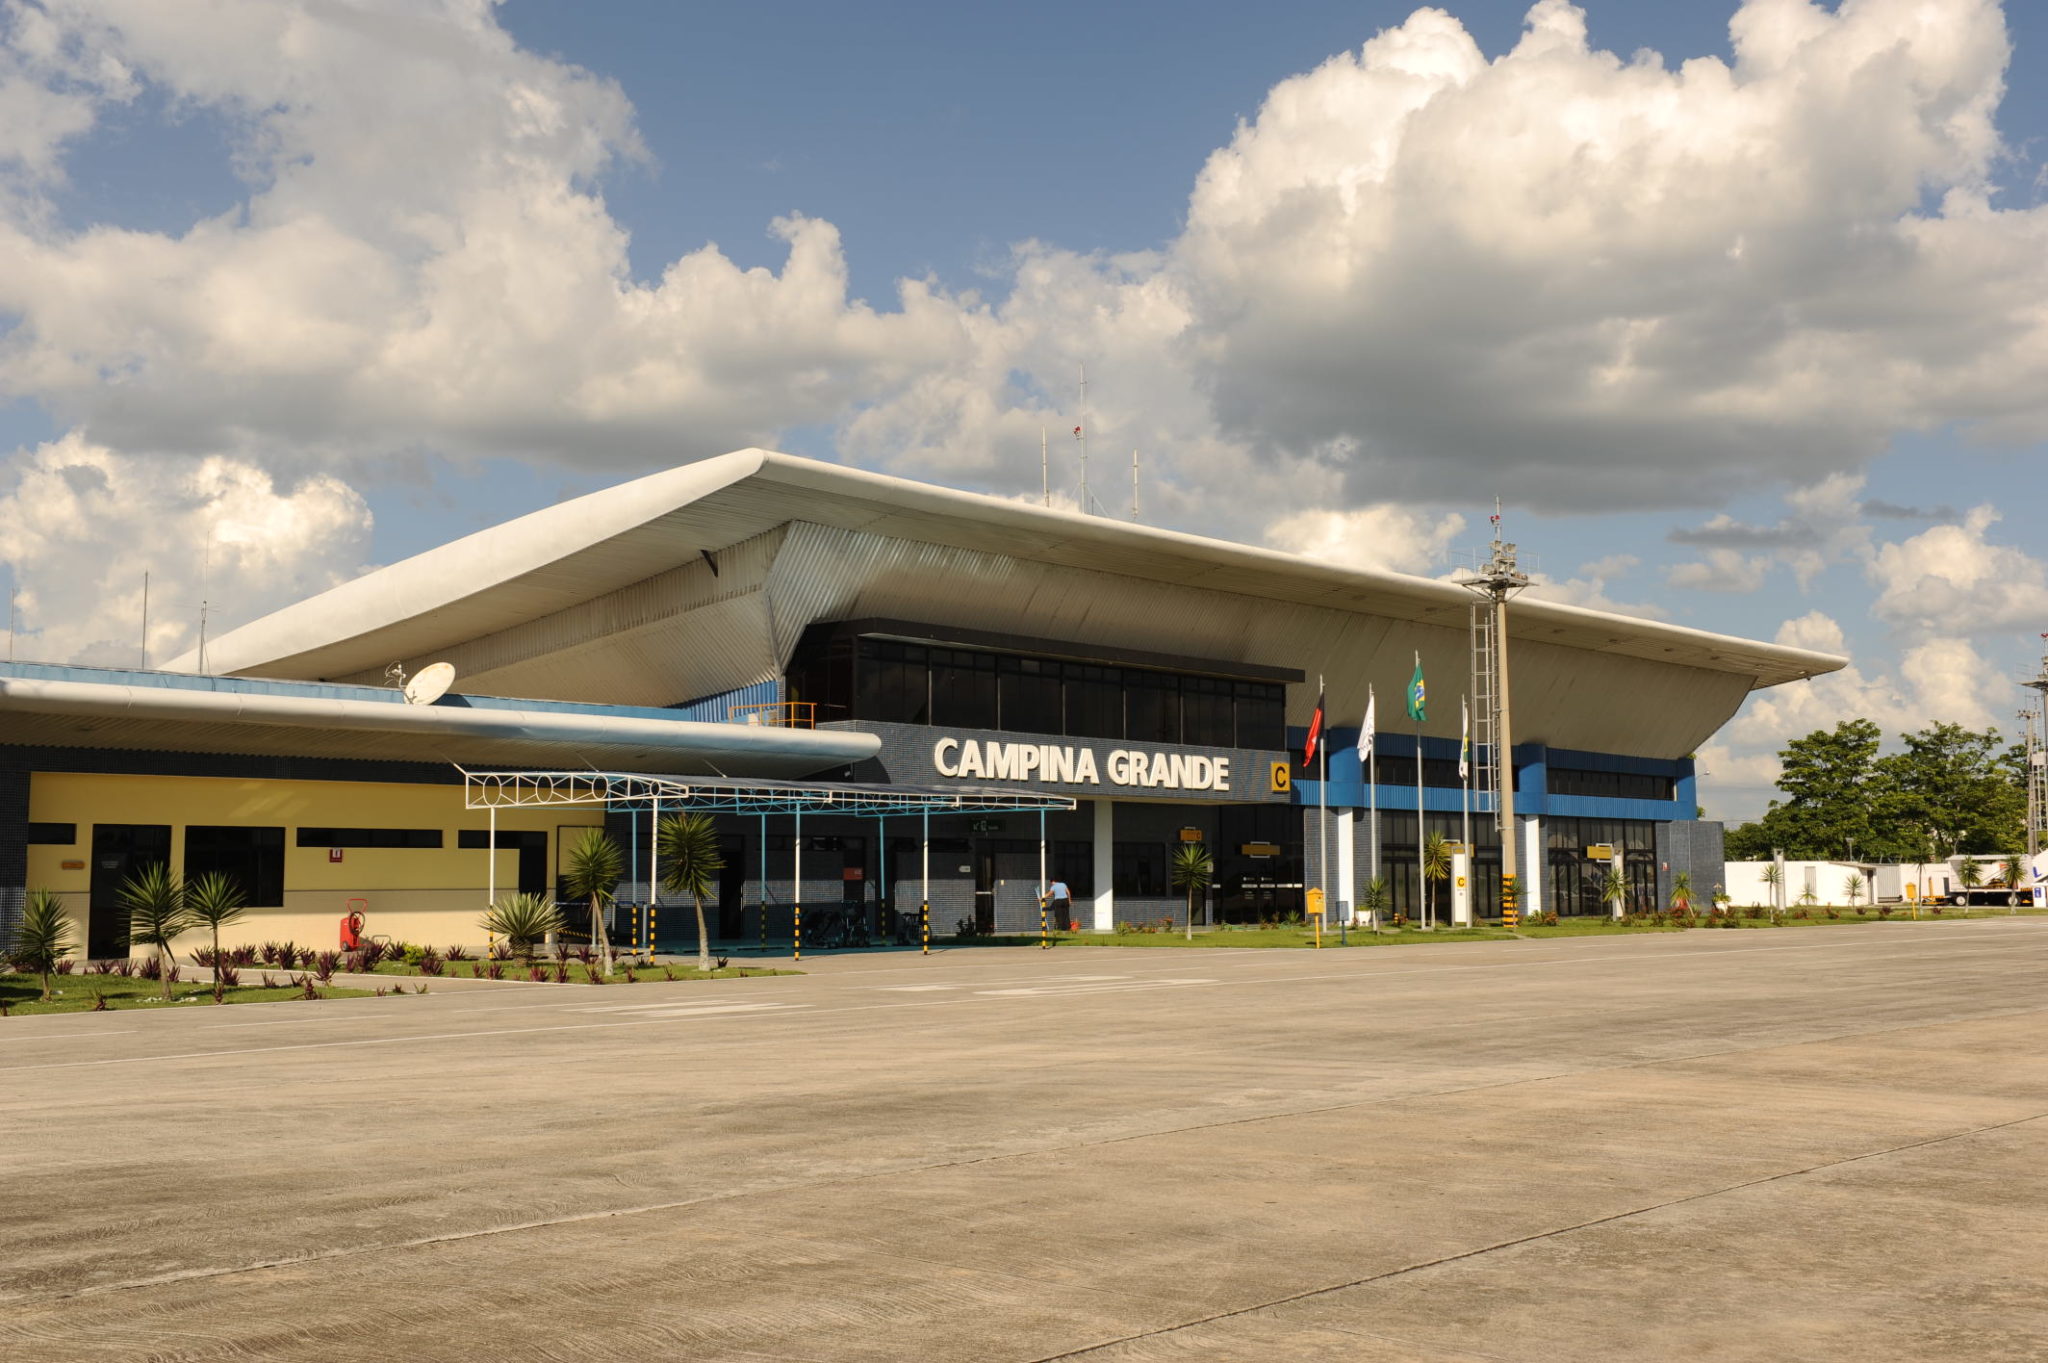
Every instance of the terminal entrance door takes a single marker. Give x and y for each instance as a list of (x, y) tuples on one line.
[(984, 889), (119, 850)]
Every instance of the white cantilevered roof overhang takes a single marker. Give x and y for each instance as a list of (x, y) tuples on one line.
[(73, 707), (570, 553)]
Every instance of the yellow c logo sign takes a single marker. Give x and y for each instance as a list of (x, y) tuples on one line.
[(1283, 778)]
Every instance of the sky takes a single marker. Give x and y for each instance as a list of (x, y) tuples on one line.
[(1740, 310)]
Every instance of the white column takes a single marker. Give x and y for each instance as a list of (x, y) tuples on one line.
[(1461, 889), (1105, 866), (1347, 864), (1535, 863)]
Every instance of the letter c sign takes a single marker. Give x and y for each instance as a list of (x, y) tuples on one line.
[(1283, 778)]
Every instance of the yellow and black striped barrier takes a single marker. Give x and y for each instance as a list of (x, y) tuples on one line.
[(1510, 916), (797, 932), (924, 927)]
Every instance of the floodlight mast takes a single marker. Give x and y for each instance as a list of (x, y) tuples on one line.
[(2037, 758), (1498, 580)]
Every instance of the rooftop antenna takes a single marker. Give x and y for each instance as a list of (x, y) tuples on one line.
[(1044, 470), (1134, 485), (2037, 758), (145, 619), (1081, 434), (205, 566)]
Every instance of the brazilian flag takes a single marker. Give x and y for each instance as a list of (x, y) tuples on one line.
[(1417, 694)]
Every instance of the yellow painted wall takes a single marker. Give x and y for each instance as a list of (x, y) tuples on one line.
[(432, 896)]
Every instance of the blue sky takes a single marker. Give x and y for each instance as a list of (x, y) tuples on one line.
[(330, 285)]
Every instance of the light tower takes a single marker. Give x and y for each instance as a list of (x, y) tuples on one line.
[(1496, 581), (2037, 758)]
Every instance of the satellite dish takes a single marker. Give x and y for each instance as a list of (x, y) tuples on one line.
[(429, 684)]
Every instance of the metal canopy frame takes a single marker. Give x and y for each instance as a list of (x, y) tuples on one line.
[(729, 795), (618, 790)]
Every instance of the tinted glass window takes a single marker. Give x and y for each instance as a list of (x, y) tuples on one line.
[(1030, 696), (963, 689), (1261, 715), (252, 857), (1140, 868), (1095, 701), (1151, 708), (1206, 712)]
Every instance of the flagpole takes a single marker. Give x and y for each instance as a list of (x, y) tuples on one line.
[(1421, 838), (1372, 788), (1323, 809), (1465, 775)]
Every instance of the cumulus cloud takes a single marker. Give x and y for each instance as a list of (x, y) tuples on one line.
[(1589, 587), (1377, 537), (1953, 579), (1723, 570), (1940, 679), (83, 524), (1416, 270)]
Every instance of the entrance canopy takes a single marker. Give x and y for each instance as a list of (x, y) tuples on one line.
[(730, 795)]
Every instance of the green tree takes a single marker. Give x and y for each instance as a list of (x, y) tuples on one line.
[(157, 912), (1192, 872), (1681, 891), (1774, 877), (524, 921), (1373, 899), (1853, 888), (1970, 873), (214, 901), (1965, 783), (1828, 778), (690, 863), (1436, 865), (2011, 871), (1614, 892), (595, 866), (42, 938)]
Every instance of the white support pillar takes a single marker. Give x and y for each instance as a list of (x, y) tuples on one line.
[(1535, 861), (1461, 888), (1105, 866), (1347, 864)]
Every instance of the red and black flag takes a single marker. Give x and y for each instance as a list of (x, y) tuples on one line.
[(1315, 734)]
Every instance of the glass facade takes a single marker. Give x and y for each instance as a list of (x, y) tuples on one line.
[(1575, 885), (897, 682), (1613, 785)]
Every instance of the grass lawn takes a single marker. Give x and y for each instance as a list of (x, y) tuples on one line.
[(74, 993)]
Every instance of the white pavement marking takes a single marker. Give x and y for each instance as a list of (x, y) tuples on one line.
[(1105, 987), (678, 1010)]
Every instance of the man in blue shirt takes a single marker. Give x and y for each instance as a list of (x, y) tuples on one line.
[(1059, 901)]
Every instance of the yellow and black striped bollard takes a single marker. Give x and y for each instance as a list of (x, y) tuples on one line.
[(1043, 941), (798, 932), (924, 927), (1509, 917)]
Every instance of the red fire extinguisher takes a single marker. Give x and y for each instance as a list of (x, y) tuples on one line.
[(352, 931)]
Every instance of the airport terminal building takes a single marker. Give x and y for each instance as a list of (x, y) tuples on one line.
[(760, 617)]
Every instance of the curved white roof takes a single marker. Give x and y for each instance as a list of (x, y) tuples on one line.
[(610, 597)]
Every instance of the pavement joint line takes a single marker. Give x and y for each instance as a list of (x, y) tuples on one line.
[(1248, 1119), (810, 1011), (1309, 1294)]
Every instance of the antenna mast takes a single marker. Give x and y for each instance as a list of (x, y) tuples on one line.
[(1081, 434), (1044, 471), (2037, 759), (1495, 583), (1134, 485), (145, 619)]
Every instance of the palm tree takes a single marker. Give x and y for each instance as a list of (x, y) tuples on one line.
[(1614, 892), (1970, 874), (156, 912), (1774, 876), (214, 901), (1192, 871), (1853, 887), (2012, 870), (1436, 865), (595, 866), (524, 921), (690, 863), (1681, 891), (1373, 899), (43, 937)]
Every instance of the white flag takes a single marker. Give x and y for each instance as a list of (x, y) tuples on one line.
[(1465, 741), (1365, 729)]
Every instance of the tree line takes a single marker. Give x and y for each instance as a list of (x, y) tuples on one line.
[(1947, 789)]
